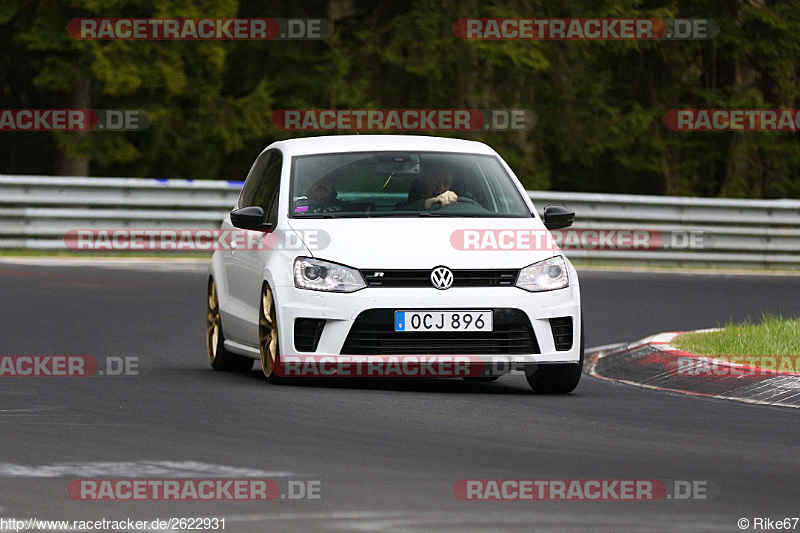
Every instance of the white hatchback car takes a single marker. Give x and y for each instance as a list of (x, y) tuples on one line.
[(393, 245)]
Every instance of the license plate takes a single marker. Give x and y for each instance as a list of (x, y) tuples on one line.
[(442, 321)]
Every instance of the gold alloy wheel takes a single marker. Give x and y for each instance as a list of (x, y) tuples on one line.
[(212, 322), (268, 332)]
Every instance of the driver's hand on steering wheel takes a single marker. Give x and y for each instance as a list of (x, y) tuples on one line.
[(446, 198)]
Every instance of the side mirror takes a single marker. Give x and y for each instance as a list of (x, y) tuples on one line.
[(558, 217), (250, 218)]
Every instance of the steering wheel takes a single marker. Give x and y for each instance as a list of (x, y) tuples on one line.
[(464, 199), (461, 200)]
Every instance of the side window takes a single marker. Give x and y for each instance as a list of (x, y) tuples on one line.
[(269, 182), (262, 183), (272, 213), (253, 179)]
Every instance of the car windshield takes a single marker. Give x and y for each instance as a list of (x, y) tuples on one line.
[(403, 184)]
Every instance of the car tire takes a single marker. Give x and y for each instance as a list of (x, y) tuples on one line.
[(557, 378), (218, 356), (268, 342)]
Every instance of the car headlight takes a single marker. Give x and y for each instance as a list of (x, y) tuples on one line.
[(546, 275), (319, 275)]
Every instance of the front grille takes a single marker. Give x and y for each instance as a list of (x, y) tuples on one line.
[(422, 278), (562, 332), (373, 333), (307, 332)]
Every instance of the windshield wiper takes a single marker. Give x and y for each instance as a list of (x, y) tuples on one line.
[(447, 215), (388, 214), (436, 214)]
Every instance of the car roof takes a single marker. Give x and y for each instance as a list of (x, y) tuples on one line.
[(369, 143)]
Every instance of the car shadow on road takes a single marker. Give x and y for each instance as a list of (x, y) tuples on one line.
[(510, 384), (504, 385)]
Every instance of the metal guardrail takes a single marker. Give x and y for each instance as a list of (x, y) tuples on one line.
[(37, 211), (738, 233)]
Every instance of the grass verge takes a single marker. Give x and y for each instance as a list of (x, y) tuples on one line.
[(774, 335)]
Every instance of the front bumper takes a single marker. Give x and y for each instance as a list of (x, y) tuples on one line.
[(339, 312)]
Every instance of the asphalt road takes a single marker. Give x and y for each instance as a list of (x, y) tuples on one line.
[(387, 452)]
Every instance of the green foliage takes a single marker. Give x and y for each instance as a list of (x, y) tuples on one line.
[(600, 105)]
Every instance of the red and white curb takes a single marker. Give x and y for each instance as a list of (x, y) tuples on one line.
[(656, 364)]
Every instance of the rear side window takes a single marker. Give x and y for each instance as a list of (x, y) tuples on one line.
[(262, 183)]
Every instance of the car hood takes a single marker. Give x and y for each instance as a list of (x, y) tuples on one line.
[(427, 242)]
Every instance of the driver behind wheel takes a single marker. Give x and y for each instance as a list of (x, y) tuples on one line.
[(432, 191), (322, 197)]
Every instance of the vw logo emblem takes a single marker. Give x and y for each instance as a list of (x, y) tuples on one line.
[(442, 278)]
